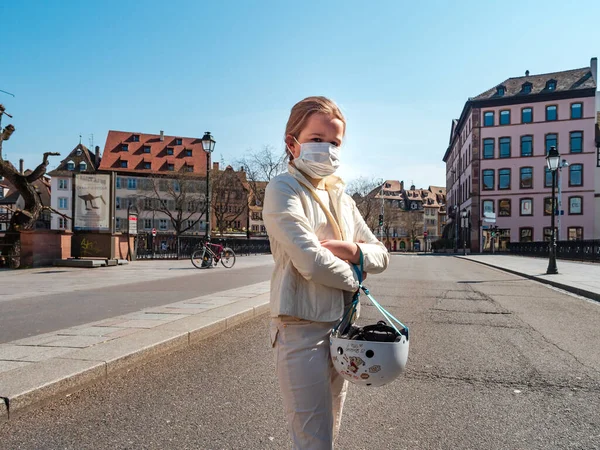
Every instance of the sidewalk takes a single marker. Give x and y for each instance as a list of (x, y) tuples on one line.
[(41, 367), (579, 278)]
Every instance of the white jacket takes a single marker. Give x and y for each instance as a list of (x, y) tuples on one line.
[(308, 281)]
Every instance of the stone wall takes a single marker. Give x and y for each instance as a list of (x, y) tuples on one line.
[(41, 248)]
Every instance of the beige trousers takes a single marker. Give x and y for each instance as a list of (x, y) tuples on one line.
[(313, 392)]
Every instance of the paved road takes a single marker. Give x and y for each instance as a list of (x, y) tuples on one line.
[(97, 294), (496, 362)]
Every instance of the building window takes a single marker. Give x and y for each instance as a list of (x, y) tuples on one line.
[(500, 91), (189, 168), (63, 184), (488, 180), (146, 149), (71, 165), (188, 152), (504, 179), (488, 119), (548, 233), (488, 148), (178, 141), (576, 141), (527, 207), (551, 113), (526, 234), (123, 164), (169, 151), (147, 165), (118, 224), (118, 203), (124, 147), (575, 233), (548, 205), (505, 117), (575, 205), (551, 141), (527, 115), (135, 138), (119, 182), (170, 167), (488, 206), (162, 224), (504, 207), (526, 88), (504, 144), (82, 166), (63, 203), (576, 110), (551, 85), (62, 223), (526, 178), (576, 175), (527, 145), (147, 224), (547, 177), (131, 183)]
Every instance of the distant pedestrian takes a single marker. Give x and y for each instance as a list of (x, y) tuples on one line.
[(316, 234)]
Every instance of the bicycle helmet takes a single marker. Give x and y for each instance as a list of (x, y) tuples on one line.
[(373, 355)]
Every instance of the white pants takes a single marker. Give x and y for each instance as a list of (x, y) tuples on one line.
[(312, 390)]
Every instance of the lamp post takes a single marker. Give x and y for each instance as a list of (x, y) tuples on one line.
[(208, 145), (464, 227), (553, 160)]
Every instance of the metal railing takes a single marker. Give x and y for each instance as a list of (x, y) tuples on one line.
[(573, 250)]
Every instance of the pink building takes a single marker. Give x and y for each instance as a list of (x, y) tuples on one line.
[(495, 161)]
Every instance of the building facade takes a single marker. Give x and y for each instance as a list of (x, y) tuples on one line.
[(495, 161)]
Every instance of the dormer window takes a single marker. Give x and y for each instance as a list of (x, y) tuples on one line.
[(147, 165), (189, 168), (135, 138), (123, 164), (188, 152), (526, 88), (551, 85), (178, 141), (124, 147), (78, 152), (71, 165), (170, 151), (171, 167), (500, 91), (146, 149), (82, 166)]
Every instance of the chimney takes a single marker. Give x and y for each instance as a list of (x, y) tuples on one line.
[(215, 166), (21, 167), (527, 73), (97, 156), (162, 136), (412, 187), (594, 68)]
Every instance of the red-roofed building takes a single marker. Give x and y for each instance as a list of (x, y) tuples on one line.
[(141, 153)]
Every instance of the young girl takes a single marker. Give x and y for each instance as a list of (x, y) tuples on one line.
[(316, 235)]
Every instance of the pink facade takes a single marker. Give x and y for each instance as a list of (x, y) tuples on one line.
[(479, 148)]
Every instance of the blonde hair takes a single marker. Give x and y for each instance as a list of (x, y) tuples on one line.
[(305, 108)]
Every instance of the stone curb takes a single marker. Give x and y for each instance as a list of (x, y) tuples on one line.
[(565, 287), (30, 386)]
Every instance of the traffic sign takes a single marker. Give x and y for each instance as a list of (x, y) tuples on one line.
[(488, 220), (133, 228), (153, 232), (425, 234), (489, 215)]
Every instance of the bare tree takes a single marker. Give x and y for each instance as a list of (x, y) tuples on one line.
[(412, 222), (364, 191), (261, 166), (229, 199), (181, 198), (26, 217)]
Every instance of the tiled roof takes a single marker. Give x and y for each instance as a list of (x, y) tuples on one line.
[(568, 80), (135, 155), (78, 155), (42, 185)]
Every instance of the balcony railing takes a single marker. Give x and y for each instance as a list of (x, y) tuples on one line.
[(573, 250)]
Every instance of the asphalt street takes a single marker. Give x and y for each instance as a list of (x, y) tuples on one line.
[(162, 282), (496, 362)]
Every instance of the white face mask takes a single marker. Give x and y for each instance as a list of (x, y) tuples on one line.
[(318, 159)]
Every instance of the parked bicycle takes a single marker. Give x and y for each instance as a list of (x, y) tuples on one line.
[(210, 254)]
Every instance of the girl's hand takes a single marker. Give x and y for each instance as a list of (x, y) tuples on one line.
[(348, 251)]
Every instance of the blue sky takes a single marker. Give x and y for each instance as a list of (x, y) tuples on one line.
[(400, 70)]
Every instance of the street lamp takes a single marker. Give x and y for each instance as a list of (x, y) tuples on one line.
[(208, 145), (464, 225), (553, 160)]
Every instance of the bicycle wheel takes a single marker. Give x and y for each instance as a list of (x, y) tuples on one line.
[(227, 258), (198, 258)]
